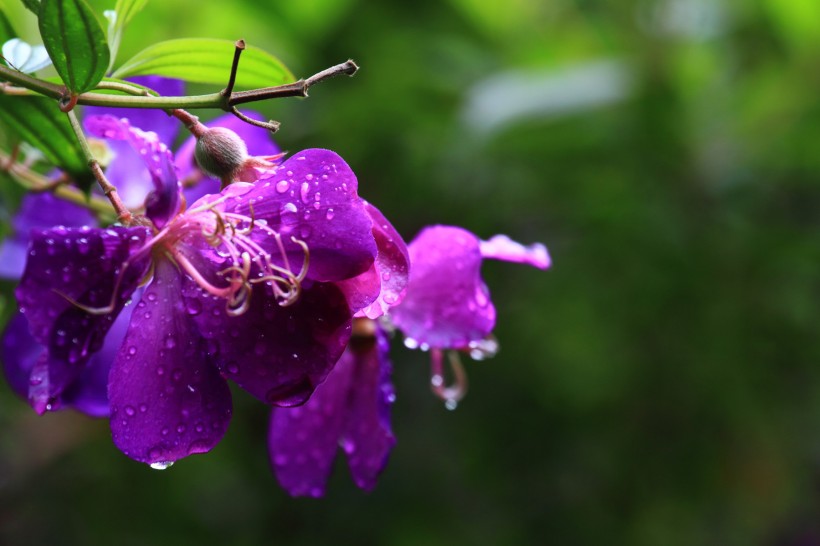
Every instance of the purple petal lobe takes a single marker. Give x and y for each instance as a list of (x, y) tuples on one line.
[(368, 438), (302, 441), (96, 268), (19, 352), (163, 203), (392, 263), (447, 305), (257, 139), (37, 210), (350, 409), (89, 392), (278, 354), (147, 119), (168, 400), (312, 197), (501, 247)]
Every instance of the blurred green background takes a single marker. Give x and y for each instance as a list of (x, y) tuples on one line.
[(659, 386)]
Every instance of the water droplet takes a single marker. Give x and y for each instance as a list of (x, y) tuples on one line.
[(143, 408), (170, 342), (451, 404), (181, 429), (436, 380), (308, 177), (194, 307), (152, 297), (409, 342), (348, 445), (303, 191), (160, 371), (233, 368), (130, 411), (282, 186), (161, 465), (385, 275), (132, 350)]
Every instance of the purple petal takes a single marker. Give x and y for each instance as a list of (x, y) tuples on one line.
[(368, 438), (447, 305), (37, 210), (89, 392), (502, 247), (302, 441), (362, 290), (351, 408), (19, 353), (278, 354), (89, 267), (312, 197), (164, 202), (168, 400), (148, 119), (257, 139), (392, 263)]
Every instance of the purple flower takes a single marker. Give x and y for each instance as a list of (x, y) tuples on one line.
[(350, 409), (448, 306), (243, 288)]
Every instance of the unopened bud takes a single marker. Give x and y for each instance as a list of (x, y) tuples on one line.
[(221, 153)]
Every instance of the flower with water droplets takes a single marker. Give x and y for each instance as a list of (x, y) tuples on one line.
[(243, 286), (448, 305)]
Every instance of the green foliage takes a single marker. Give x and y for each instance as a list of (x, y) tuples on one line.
[(32, 5), (75, 41), (124, 11), (6, 29), (205, 60), (39, 122)]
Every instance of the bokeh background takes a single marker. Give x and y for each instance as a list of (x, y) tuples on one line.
[(659, 386)]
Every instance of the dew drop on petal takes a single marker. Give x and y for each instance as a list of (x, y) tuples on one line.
[(282, 186), (161, 465)]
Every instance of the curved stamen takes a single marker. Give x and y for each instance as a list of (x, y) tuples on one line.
[(453, 393)]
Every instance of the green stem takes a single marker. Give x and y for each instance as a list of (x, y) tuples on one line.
[(36, 182), (110, 191)]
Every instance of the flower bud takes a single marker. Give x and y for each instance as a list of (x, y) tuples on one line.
[(221, 153)]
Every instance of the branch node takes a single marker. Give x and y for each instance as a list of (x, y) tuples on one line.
[(271, 125), (240, 47)]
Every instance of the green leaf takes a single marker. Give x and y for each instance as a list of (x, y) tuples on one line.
[(32, 5), (39, 122), (6, 30), (75, 42), (124, 11), (205, 60)]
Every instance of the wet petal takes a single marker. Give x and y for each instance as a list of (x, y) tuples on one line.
[(447, 305), (362, 290), (368, 438), (37, 210), (502, 247), (302, 441), (278, 354), (312, 197), (392, 263), (89, 392), (257, 139), (19, 353), (148, 119), (168, 400), (86, 265), (164, 201)]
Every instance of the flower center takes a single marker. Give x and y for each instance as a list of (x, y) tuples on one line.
[(242, 243)]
